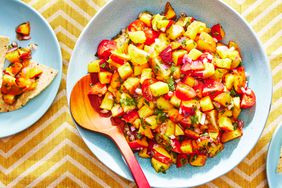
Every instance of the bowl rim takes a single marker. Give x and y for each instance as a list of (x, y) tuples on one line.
[(269, 102)]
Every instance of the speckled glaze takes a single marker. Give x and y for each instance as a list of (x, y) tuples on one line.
[(118, 14)]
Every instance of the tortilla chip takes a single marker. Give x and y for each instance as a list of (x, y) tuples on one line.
[(279, 167), (4, 42), (44, 80)]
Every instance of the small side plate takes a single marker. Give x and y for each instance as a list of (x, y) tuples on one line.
[(274, 179), (12, 14)]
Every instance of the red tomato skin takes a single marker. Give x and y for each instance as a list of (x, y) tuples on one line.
[(181, 160), (184, 92), (146, 91), (96, 101), (105, 48), (151, 36), (217, 32), (175, 145), (131, 116), (212, 88), (166, 55), (136, 25), (248, 100)]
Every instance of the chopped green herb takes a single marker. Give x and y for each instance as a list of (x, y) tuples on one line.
[(173, 68), (233, 93), (161, 116), (194, 119), (103, 65), (171, 84), (128, 102)]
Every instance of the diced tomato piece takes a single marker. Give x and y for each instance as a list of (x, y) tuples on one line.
[(147, 94), (240, 79), (206, 57), (151, 36), (151, 144), (96, 101), (166, 55), (136, 25), (184, 92), (117, 59), (217, 32), (185, 122), (131, 116), (187, 110), (94, 78), (138, 144), (199, 88), (193, 66), (105, 48), (117, 121), (248, 100), (181, 160), (175, 144), (98, 89), (191, 134), (212, 88)]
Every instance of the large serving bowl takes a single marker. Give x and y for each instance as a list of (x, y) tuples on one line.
[(116, 15)]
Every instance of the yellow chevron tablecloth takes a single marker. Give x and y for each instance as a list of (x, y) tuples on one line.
[(51, 152)]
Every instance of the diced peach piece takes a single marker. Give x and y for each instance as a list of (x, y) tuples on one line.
[(230, 135), (198, 160), (169, 12), (206, 104)]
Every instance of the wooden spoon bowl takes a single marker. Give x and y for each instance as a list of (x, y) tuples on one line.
[(86, 117)]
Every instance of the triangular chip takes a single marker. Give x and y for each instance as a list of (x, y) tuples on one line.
[(4, 42), (44, 80)]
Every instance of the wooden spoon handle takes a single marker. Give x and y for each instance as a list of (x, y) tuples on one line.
[(131, 161)]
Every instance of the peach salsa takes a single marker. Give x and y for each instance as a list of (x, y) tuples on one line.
[(173, 87)]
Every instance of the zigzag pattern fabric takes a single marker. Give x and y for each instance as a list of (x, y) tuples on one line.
[(51, 152)]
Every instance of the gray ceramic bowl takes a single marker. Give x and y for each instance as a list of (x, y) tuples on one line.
[(118, 14)]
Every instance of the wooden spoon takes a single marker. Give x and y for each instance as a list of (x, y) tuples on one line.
[(85, 116)]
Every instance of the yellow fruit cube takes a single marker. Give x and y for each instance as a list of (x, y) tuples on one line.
[(131, 84), (107, 102), (137, 56), (175, 31), (94, 66), (206, 104), (206, 42), (127, 102), (146, 74), (194, 28), (224, 99), (145, 111), (230, 135), (178, 130), (223, 63), (137, 36), (159, 166), (225, 123), (159, 88), (152, 121), (105, 77), (146, 18), (139, 68), (194, 54), (125, 71), (176, 55), (175, 101), (164, 104), (188, 44)]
